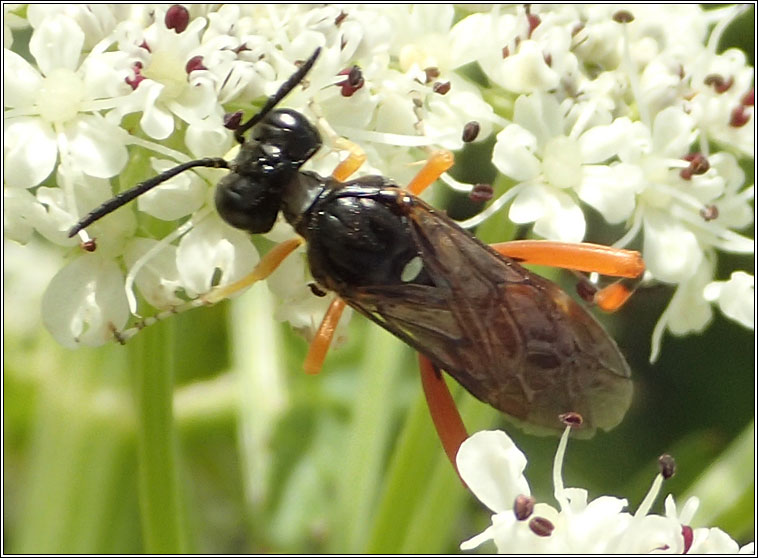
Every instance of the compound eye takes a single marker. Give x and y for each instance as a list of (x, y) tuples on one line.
[(247, 205)]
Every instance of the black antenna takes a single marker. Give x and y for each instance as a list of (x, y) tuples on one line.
[(128, 195), (281, 93), (211, 162)]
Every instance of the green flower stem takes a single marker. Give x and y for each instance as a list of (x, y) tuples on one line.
[(413, 457), (260, 396), (384, 360), (422, 490), (151, 359), (445, 498), (79, 474), (725, 499)]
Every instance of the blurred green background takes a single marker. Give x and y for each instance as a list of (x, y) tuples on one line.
[(258, 457)]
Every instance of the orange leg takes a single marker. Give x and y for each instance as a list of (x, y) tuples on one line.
[(583, 257), (314, 360), (265, 267), (320, 344), (356, 157), (437, 163), (447, 420)]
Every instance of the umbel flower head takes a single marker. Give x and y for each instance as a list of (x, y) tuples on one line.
[(492, 467), (632, 114)]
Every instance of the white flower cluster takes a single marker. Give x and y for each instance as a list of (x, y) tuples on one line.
[(492, 467), (632, 113)]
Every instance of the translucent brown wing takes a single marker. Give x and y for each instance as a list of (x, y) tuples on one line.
[(510, 337)]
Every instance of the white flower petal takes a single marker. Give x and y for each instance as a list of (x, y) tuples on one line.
[(208, 142), (20, 211), (513, 154), (30, 152), (652, 532), (213, 245), (673, 132), (156, 121), (97, 147), (735, 297), (487, 535), (562, 162), (196, 104), (527, 71), (104, 75), (57, 216), (529, 204), (20, 81), (563, 220), (492, 467), (611, 189), (712, 541), (466, 37), (688, 311), (158, 279), (541, 114), (671, 251), (57, 43), (600, 143), (85, 301)]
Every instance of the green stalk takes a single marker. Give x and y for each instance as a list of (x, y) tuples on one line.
[(370, 429), (151, 359), (726, 499), (423, 495), (445, 497)]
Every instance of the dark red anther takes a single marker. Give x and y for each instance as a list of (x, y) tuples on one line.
[(194, 63), (719, 84), (506, 51), (138, 77), (709, 212), (340, 18), (89, 245), (698, 165), (481, 193), (687, 535), (432, 73), (146, 46), (523, 507), (177, 18), (548, 59), (739, 117), (232, 120), (586, 291), (441, 87), (533, 20), (353, 82), (572, 419), (470, 131), (541, 526), (623, 16), (667, 466), (748, 99)]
